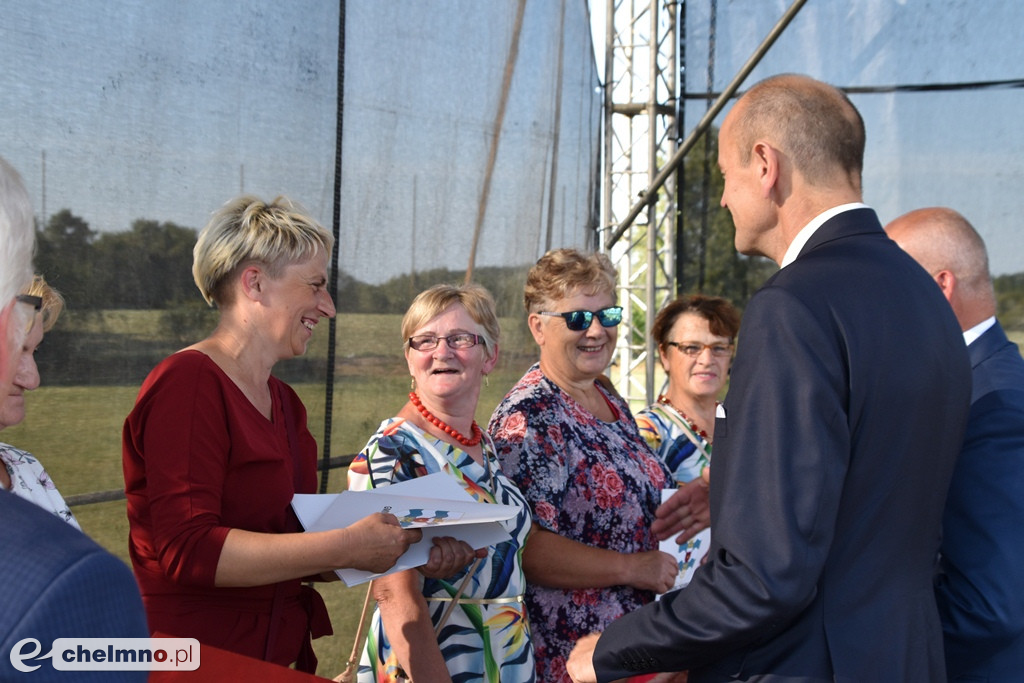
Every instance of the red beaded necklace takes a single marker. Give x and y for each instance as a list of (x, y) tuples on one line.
[(478, 433), (663, 399)]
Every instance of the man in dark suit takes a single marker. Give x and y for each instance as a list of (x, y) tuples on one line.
[(980, 585), (56, 583), (59, 584), (846, 408)]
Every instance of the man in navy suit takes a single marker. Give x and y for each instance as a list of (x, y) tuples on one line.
[(845, 412), (980, 585), (56, 582), (59, 584)]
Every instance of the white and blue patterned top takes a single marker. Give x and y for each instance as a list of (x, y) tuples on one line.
[(30, 481)]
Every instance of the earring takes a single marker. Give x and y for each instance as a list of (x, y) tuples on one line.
[(412, 384), (487, 381)]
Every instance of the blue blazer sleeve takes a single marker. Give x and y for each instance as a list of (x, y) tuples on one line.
[(58, 583), (980, 591)]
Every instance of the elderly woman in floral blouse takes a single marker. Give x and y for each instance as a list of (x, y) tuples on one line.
[(573, 448), (22, 474)]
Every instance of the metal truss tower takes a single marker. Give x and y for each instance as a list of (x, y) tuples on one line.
[(640, 136)]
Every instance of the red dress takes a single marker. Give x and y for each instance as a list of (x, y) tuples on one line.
[(199, 459)]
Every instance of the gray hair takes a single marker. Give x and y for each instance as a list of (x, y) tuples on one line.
[(17, 237)]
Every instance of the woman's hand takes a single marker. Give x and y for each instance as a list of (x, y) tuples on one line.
[(375, 543), (448, 556), (653, 570), (686, 513), (251, 558)]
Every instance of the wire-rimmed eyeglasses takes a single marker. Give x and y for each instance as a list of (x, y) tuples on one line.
[(694, 349), (429, 342), (32, 300), (36, 302)]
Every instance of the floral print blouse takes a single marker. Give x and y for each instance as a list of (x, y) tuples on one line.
[(591, 481), (669, 435), (30, 481)]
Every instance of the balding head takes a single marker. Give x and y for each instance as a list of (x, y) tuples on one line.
[(814, 123), (952, 251)]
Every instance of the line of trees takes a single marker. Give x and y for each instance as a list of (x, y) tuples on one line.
[(149, 266), (146, 267)]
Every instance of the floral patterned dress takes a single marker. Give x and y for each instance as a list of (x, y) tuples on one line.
[(668, 435), (487, 637), (591, 481), (30, 481)]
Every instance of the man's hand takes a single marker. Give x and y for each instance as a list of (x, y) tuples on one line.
[(686, 513), (580, 664)]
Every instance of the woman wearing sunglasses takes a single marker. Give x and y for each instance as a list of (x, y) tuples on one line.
[(451, 344), (573, 448)]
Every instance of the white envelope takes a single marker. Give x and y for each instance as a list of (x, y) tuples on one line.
[(464, 518), (688, 555)]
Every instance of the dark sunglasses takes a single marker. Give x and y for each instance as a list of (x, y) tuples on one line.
[(577, 321), (35, 302)]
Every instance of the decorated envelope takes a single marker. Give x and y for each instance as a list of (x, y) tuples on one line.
[(435, 503), (689, 554)]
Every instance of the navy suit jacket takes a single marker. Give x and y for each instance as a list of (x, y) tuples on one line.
[(980, 589), (55, 582), (844, 417)]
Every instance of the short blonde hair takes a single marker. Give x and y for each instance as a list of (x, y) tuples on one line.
[(563, 272), (247, 230), (475, 298), (53, 302)]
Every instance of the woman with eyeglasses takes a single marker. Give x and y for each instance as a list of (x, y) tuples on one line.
[(695, 336), (451, 344), (572, 446), (22, 473)]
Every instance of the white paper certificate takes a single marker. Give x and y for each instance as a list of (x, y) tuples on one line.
[(434, 503)]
